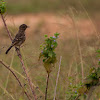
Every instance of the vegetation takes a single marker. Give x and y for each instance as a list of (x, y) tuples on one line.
[(36, 6), (48, 54), (75, 82), (2, 7)]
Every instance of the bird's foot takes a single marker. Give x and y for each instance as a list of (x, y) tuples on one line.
[(17, 49)]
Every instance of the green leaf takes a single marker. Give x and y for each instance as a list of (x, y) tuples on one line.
[(46, 35), (2, 7), (98, 50), (51, 38), (55, 44), (56, 34), (50, 54)]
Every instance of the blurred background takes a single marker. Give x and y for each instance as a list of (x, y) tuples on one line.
[(78, 23), (38, 6)]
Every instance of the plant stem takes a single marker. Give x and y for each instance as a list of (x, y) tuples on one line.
[(57, 79), (47, 82)]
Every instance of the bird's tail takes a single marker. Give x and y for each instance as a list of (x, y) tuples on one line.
[(8, 49)]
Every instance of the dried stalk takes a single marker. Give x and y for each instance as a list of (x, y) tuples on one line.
[(57, 79), (21, 60), (78, 42)]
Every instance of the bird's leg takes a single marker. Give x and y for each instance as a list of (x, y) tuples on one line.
[(18, 48)]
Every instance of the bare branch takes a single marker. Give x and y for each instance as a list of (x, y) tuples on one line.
[(15, 77)]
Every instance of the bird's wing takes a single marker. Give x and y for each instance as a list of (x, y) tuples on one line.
[(17, 39)]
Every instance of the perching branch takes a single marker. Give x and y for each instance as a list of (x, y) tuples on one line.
[(21, 60)]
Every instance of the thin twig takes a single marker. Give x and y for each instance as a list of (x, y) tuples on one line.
[(15, 77), (21, 60), (57, 78), (46, 91)]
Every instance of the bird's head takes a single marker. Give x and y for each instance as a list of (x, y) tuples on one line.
[(23, 27)]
